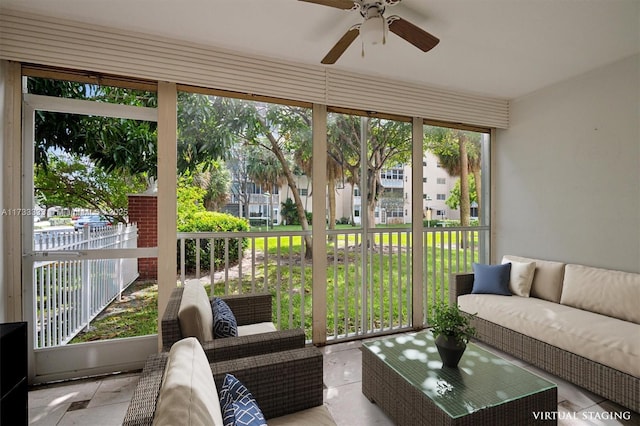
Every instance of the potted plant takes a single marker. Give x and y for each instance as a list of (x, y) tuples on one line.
[(452, 330)]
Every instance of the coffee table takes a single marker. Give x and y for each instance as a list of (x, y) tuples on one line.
[(404, 376)]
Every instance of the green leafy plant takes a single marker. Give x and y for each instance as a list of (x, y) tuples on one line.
[(205, 221), (450, 321)]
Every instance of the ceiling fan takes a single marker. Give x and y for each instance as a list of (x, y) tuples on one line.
[(374, 28)]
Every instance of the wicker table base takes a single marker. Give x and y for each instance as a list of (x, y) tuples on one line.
[(405, 378)]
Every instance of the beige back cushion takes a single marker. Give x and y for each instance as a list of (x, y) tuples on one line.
[(195, 316), (188, 394), (612, 293), (547, 280)]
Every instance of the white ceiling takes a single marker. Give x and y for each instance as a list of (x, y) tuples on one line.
[(501, 48)]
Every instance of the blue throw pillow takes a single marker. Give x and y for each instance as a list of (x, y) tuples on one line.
[(238, 405), (491, 279), (224, 322)]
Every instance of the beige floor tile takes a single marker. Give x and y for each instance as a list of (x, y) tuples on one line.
[(62, 393), (47, 415), (342, 367), (114, 390), (104, 415), (349, 407)]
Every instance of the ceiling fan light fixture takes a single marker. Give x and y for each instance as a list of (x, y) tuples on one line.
[(374, 30)]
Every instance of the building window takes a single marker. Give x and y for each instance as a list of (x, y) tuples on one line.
[(424, 180), (441, 181), (356, 192), (441, 197), (395, 174), (440, 213), (424, 164), (303, 192)]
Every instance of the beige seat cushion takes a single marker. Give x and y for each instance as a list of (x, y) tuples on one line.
[(547, 280), (612, 293), (316, 416), (257, 328), (195, 315), (188, 394), (603, 339)]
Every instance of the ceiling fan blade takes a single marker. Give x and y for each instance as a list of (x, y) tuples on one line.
[(339, 4), (342, 45), (414, 35)]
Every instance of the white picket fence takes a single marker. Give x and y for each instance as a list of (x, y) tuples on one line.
[(71, 293)]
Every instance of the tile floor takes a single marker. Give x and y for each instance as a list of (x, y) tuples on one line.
[(104, 401)]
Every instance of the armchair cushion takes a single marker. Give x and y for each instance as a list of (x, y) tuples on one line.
[(224, 322), (260, 327), (194, 315), (185, 394)]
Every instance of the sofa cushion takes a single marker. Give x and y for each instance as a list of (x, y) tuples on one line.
[(194, 315), (612, 293), (188, 394), (547, 280), (603, 339), (520, 277), (491, 279), (316, 416), (224, 322), (238, 405)]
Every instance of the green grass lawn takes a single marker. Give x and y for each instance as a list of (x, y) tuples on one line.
[(387, 289), (135, 315)]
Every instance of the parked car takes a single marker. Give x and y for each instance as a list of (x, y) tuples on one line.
[(92, 221)]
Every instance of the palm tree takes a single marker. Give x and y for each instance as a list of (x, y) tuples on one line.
[(459, 154), (264, 169), (333, 173)]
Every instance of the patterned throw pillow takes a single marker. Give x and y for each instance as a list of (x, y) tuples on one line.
[(238, 405), (224, 322)]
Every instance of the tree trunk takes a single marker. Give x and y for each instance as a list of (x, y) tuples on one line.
[(371, 198), (465, 204), (302, 217), (331, 191), (478, 179)]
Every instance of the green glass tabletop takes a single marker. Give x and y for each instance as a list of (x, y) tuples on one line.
[(481, 380)]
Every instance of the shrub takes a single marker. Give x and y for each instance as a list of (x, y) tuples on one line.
[(205, 221), (343, 221)]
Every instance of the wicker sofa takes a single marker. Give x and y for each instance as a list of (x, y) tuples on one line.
[(181, 387), (256, 332), (579, 323)]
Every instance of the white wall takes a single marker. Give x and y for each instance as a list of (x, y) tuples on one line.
[(567, 171)]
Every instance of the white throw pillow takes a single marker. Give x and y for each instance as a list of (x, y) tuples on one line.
[(521, 277)]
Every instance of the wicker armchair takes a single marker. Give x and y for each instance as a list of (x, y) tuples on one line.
[(248, 309), (277, 394)]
